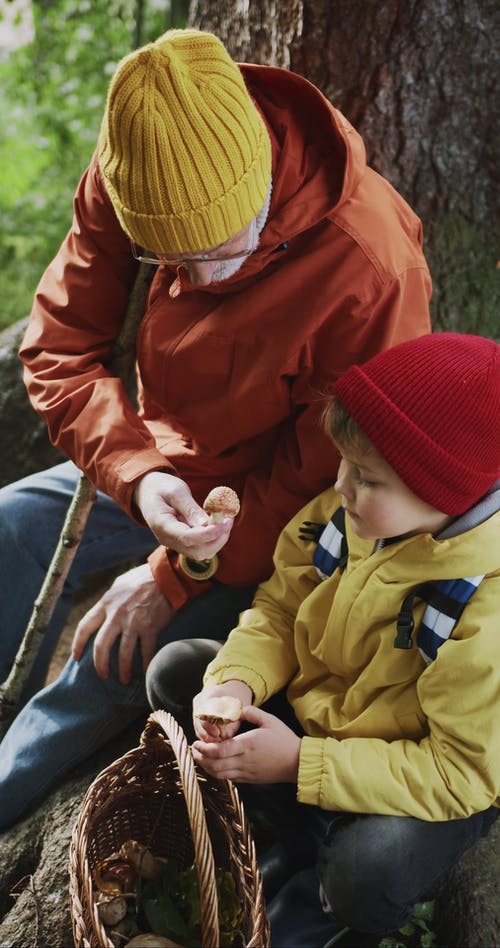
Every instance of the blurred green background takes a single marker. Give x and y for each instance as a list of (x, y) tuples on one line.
[(53, 55)]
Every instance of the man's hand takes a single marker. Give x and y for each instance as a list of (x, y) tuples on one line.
[(268, 754), (169, 509), (234, 689), (133, 608)]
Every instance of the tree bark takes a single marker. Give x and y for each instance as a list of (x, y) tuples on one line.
[(265, 32)]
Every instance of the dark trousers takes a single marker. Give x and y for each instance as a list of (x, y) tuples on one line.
[(369, 868)]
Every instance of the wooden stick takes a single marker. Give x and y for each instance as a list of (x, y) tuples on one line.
[(74, 524)]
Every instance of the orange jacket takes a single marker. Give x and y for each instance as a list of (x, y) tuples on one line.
[(232, 376)]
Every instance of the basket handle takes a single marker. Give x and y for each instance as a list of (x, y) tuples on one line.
[(203, 853)]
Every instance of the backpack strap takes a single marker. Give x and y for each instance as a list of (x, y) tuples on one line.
[(446, 600), (450, 596), (331, 551)]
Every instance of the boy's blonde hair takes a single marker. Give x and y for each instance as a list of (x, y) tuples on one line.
[(341, 427)]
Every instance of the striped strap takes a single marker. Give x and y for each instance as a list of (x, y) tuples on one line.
[(331, 551), (446, 603), (445, 598)]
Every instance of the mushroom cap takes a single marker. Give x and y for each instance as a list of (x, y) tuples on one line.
[(222, 500), (223, 709)]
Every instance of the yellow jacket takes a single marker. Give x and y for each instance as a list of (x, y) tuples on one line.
[(384, 732)]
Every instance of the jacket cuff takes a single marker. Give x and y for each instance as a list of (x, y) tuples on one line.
[(248, 676), (173, 582), (123, 476), (309, 779)]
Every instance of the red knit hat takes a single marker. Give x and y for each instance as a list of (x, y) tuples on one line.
[(431, 406)]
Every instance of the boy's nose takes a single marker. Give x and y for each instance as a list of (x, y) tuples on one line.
[(344, 491), (342, 484)]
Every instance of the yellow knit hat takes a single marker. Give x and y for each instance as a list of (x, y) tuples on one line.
[(185, 155)]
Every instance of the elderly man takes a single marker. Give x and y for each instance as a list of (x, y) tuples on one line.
[(280, 259)]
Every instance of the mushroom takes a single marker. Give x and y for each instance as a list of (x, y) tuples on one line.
[(111, 911), (142, 859), (220, 711), (114, 876), (221, 502), (122, 931)]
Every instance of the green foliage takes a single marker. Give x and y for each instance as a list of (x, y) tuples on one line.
[(53, 91), (416, 933), (171, 905)]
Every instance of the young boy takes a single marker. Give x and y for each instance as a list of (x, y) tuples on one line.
[(393, 748)]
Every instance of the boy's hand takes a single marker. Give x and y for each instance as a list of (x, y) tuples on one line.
[(267, 754), (233, 689)]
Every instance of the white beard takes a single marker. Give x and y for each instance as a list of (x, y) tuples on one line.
[(227, 268)]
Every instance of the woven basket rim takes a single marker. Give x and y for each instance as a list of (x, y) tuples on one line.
[(112, 800)]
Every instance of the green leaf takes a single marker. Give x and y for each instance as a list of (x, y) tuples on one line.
[(424, 910), (189, 896), (428, 939), (164, 917), (160, 901), (421, 924), (230, 908)]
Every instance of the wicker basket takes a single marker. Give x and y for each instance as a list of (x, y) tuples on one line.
[(154, 794)]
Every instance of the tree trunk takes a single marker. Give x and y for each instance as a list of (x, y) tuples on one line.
[(417, 78)]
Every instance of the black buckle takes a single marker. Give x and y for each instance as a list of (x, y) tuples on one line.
[(310, 531), (404, 626)]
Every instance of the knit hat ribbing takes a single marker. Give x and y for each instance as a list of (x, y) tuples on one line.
[(184, 152), (431, 406)]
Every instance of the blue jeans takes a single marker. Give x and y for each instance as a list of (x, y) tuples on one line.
[(68, 720)]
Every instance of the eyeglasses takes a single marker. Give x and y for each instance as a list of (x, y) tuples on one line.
[(158, 260)]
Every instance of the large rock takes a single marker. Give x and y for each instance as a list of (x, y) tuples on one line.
[(34, 900), (468, 901), (25, 445)]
